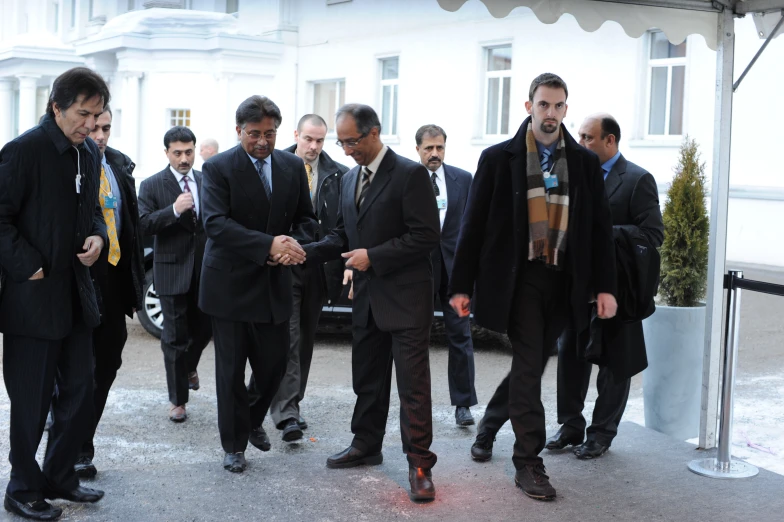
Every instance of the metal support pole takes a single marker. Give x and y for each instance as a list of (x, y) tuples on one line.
[(722, 465), (717, 241), (770, 37)]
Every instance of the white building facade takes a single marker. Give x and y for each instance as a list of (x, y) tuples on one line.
[(191, 62)]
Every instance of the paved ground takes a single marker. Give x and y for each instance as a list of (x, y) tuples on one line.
[(153, 469)]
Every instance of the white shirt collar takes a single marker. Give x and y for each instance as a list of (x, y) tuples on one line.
[(373, 167), (180, 176), (439, 172)]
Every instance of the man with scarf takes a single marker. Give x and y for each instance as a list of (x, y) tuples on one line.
[(546, 193)]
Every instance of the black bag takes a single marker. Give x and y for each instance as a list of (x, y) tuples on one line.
[(638, 265)]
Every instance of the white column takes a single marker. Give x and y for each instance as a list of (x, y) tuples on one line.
[(130, 106), (27, 102), (6, 110), (226, 135)]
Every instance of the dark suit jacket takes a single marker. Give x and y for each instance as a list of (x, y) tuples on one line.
[(43, 224), (634, 201), (179, 244), (131, 265), (241, 223), (325, 205), (458, 182), (398, 225), (493, 243)]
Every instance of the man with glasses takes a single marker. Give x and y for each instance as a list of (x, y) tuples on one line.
[(254, 197), (386, 230)]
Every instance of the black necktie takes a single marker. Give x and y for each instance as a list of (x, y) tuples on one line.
[(365, 186), (433, 178)]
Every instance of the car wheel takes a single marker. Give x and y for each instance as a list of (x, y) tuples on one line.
[(151, 315)]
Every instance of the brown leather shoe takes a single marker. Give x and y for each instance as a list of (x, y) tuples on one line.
[(177, 413), (193, 381)]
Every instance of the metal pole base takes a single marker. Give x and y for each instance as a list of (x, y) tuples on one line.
[(710, 468)]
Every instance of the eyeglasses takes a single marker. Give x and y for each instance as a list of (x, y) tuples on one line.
[(256, 135), (350, 144)]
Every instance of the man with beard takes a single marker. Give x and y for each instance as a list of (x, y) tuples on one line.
[(169, 209), (118, 273), (313, 283), (535, 247), (450, 185)]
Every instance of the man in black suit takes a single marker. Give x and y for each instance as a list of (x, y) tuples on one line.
[(634, 202), (51, 232), (386, 230), (536, 245), (118, 274), (253, 197), (313, 283), (450, 185), (169, 209)]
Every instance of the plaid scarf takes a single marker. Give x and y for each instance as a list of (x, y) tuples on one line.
[(548, 214)]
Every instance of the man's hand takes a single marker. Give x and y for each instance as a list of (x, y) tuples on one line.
[(348, 277), (184, 202), (461, 304), (606, 306), (357, 259), (40, 275), (286, 250), (92, 246)]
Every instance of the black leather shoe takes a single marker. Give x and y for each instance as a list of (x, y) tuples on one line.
[(235, 462), (590, 450), (482, 449), (81, 494), (534, 482), (36, 510), (351, 457), (291, 431), (85, 468), (422, 487), (303, 425), (463, 416), (564, 437), (259, 438)]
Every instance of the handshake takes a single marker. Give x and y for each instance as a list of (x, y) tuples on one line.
[(285, 251)]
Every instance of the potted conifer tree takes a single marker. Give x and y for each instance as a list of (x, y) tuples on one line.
[(674, 335)]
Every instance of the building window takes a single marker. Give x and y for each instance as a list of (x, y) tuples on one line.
[(328, 97), (232, 6), (389, 88), (666, 86), (179, 117), (73, 14), (498, 89)]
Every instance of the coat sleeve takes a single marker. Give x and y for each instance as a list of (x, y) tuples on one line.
[(603, 245), (220, 227), (645, 211), (152, 218), (18, 258), (420, 215), (472, 228)]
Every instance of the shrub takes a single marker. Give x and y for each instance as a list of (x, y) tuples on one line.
[(684, 253)]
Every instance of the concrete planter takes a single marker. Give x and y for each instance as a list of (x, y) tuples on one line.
[(674, 339)]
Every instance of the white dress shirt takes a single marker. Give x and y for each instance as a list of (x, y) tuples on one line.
[(441, 198), (191, 184)]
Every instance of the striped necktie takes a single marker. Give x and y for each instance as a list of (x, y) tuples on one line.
[(108, 217), (365, 187), (193, 205), (264, 180), (545, 160)]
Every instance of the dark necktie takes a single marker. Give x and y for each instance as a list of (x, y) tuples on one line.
[(264, 180), (433, 178), (365, 187), (193, 205)]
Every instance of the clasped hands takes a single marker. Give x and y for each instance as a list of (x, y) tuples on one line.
[(285, 251)]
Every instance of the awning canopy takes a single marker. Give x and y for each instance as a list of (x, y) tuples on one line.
[(677, 19)]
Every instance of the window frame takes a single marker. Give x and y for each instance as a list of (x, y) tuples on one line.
[(669, 63), (395, 94), (501, 75), (187, 117)]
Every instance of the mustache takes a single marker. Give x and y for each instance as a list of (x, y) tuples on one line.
[(434, 158)]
